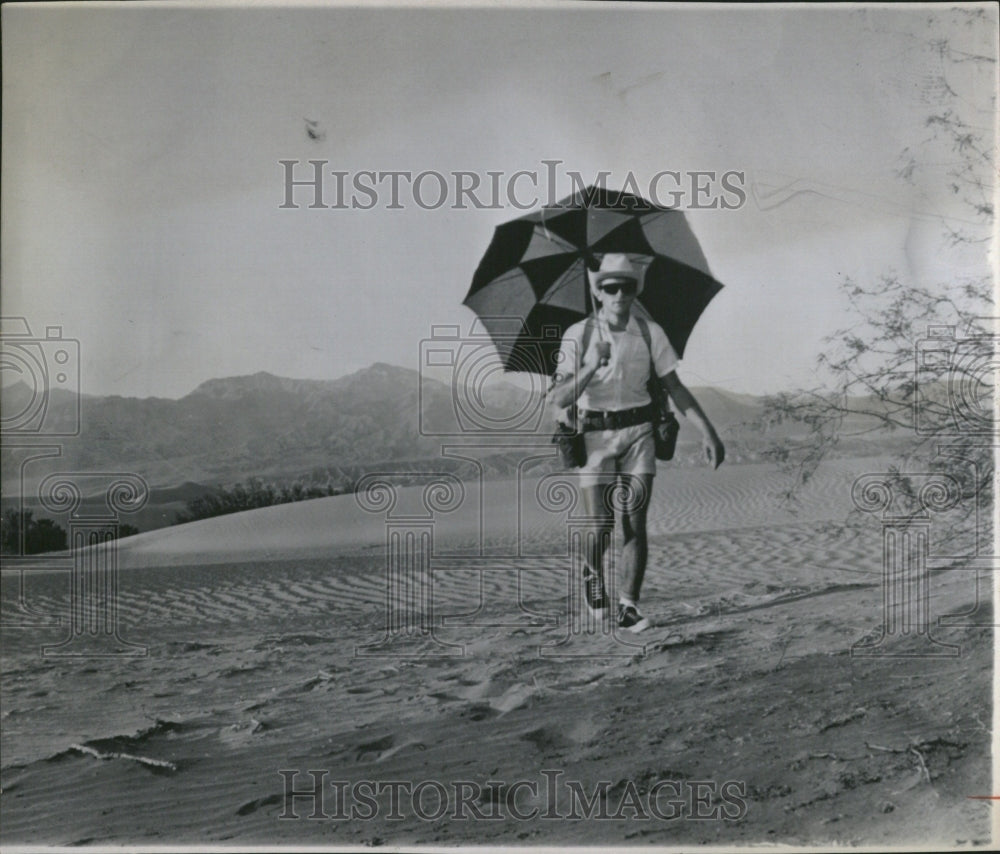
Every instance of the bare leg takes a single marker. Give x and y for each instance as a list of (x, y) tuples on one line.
[(637, 490), (601, 535)]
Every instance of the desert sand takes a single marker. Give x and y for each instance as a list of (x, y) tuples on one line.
[(265, 653)]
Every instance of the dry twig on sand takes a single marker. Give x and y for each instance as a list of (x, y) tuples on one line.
[(925, 771), (923, 764)]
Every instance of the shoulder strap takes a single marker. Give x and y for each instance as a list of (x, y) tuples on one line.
[(644, 329), (655, 389), (588, 328)]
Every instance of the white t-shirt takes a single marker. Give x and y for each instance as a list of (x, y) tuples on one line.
[(621, 384)]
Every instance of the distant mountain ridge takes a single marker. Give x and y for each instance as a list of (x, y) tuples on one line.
[(229, 429), (232, 388)]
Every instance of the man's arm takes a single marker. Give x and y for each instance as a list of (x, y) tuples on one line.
[(715, 452), (570, 387)]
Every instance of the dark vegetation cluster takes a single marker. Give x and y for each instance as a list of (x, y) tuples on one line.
[(22, 534), (250, 495)]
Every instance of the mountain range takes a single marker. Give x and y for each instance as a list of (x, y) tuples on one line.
[(265, 425), (321, 433)]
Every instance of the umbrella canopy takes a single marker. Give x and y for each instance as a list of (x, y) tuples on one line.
[(535, 272)]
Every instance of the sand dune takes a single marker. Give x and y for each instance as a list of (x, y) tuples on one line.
[(685, 500), (269, 651)]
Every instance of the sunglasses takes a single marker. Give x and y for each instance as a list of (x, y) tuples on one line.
[(612, 288)]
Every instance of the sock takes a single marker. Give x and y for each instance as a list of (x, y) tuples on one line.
[(626, 602)]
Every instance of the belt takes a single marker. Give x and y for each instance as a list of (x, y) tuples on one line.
[(596, 420)]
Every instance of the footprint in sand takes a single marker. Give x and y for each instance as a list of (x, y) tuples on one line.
[(175, 647), (464, 690), (552, 739), (513, 698), (378, 746), (706, 640), (478, 712), (386, 747), (416, 745), (547, 739), (312, 683), (252, 806), (239, 670), (475, 694), (242, 732), (496, 707)]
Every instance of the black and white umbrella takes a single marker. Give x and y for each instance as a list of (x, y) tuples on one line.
[(534, 272)]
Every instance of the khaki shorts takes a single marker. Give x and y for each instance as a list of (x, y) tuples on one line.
[(629, 450)]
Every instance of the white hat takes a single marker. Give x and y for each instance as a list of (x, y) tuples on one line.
[(616, 265)]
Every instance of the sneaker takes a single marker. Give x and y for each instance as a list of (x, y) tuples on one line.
[(594, 592), (630, 618)]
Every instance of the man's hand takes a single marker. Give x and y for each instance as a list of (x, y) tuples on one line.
[(597, 356), (715, 451)]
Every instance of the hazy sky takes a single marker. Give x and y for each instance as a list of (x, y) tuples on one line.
[(142, 185)]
